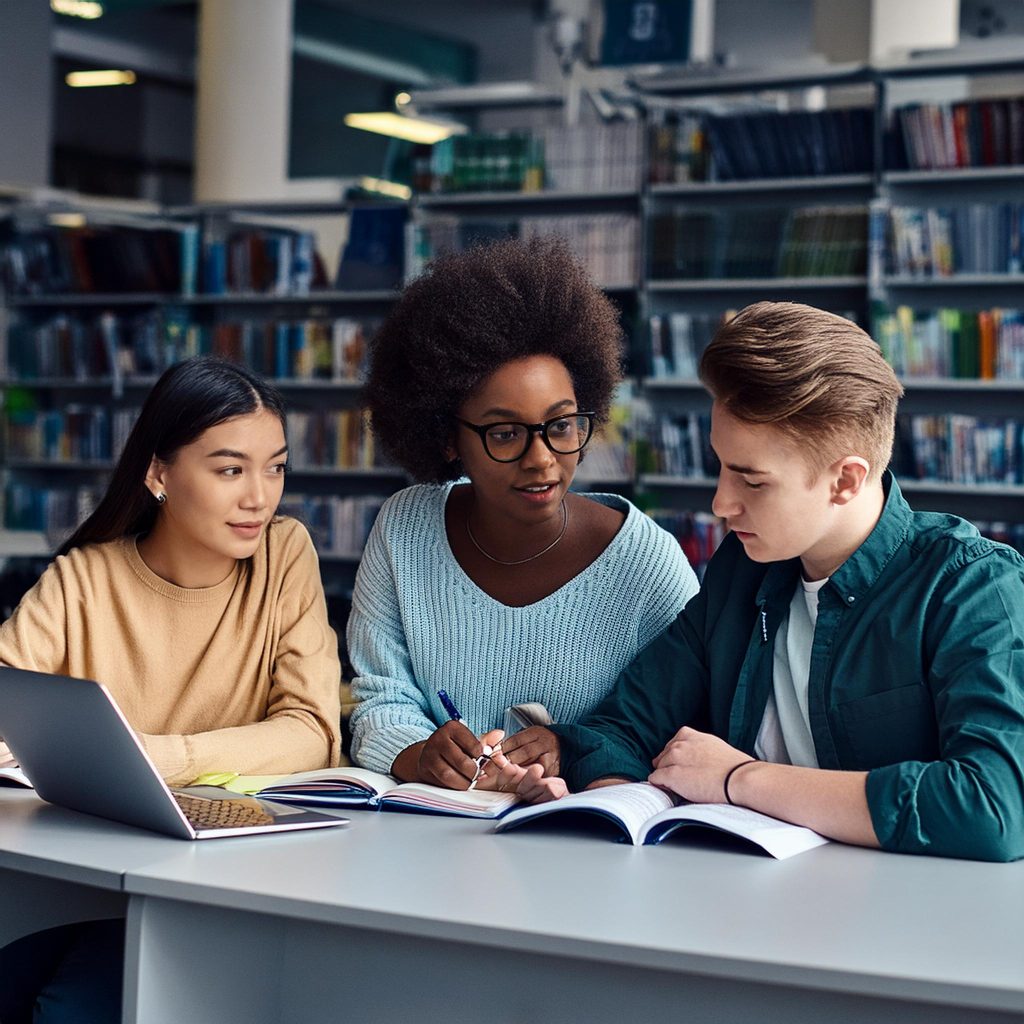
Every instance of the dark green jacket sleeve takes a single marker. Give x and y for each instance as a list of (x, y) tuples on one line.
[(969, 802), (662, 689)]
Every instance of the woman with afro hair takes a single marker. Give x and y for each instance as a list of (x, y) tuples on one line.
[(489, 579)]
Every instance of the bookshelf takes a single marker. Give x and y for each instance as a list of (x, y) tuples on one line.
[(673, 398), (639, 199), (949, 204), (101, 350)]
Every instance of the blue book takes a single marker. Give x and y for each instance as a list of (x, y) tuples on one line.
[(282, 350)]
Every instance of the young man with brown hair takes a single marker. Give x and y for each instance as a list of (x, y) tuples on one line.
[(849, 664)]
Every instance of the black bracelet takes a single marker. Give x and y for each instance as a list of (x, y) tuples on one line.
[(728, 776)]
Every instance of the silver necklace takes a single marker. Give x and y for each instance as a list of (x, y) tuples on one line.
[(520, 561)]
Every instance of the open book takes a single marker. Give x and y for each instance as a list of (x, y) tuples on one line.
[(10, 771), (12, 775), (647, 815), (359, 787)]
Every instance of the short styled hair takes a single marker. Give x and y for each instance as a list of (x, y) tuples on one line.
[(466, 316), (815, 376)]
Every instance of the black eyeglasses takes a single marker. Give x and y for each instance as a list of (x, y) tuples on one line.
[(509, 442)]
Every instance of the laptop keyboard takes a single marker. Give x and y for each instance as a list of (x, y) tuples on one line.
[(203, 813)]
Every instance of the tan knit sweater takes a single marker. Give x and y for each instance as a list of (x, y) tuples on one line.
[(243, 676)]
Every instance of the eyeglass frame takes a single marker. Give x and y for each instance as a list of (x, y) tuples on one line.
[(531, 428)]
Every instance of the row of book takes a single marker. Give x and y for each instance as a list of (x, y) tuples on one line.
[(608, 459), (146, 343), (677, 148), (271, 261), (324, 439), (969, 133), (946, 448), (974, 238), (255, 259), (332, 439), (76, 433), (685, 146), (958, 343), (675, 445), (698, 533), (677, 340), (112, 259), (759, 242), (485, 162), (689, 145), (577, 158), (960, 449), (169, 258), (56, 512), (606, 244), (339, 526), (783, 144)]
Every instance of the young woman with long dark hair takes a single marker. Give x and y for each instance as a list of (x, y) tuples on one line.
[(200, 610)]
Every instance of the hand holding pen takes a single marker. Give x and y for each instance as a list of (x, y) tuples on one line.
[(481, 750)]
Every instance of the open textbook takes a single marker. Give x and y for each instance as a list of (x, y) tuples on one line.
[(647, 815), (12, 775), (359, 787), (10, 771)]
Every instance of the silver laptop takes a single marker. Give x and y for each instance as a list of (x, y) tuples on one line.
[(79, 751)]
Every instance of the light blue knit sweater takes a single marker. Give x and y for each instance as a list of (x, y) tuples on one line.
[(420, 624)]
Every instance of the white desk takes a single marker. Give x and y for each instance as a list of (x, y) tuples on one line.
[(405, 918), (57, 867)]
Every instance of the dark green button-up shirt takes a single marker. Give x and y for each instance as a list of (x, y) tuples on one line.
[(916, 676)]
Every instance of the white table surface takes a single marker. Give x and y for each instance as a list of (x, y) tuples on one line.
[(836, 917), (51, 842)]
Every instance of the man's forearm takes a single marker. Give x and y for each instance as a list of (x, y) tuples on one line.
[(833, 803)]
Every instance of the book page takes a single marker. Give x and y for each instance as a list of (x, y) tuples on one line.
[(779, 838), (472, 803), (12, 775), (327, 780), (630, 805)]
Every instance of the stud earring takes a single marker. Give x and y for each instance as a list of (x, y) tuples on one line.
[(161, 498)]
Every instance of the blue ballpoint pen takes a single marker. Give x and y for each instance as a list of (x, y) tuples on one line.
[(453, 713), (450, 709)]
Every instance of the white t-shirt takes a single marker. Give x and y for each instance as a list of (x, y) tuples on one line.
[(785, 733)]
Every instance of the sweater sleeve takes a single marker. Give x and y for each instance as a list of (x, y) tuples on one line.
[(302, 728), (663, 689), (392, 712), (35, 636), (670, 585), (970, 802)]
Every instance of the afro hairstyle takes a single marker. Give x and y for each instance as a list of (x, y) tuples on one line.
[(466, 316)]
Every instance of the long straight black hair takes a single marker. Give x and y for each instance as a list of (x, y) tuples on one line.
[(189, 398)]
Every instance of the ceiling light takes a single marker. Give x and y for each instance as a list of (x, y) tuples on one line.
[(402, 99), (386, 188), (84, 79), (67, 220), (412, 129), (77, 8)]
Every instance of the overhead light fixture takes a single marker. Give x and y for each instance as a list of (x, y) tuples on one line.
[(87, 79), (403, 99), (77, 8), (67, 220), (412, 129), (393, 189)]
